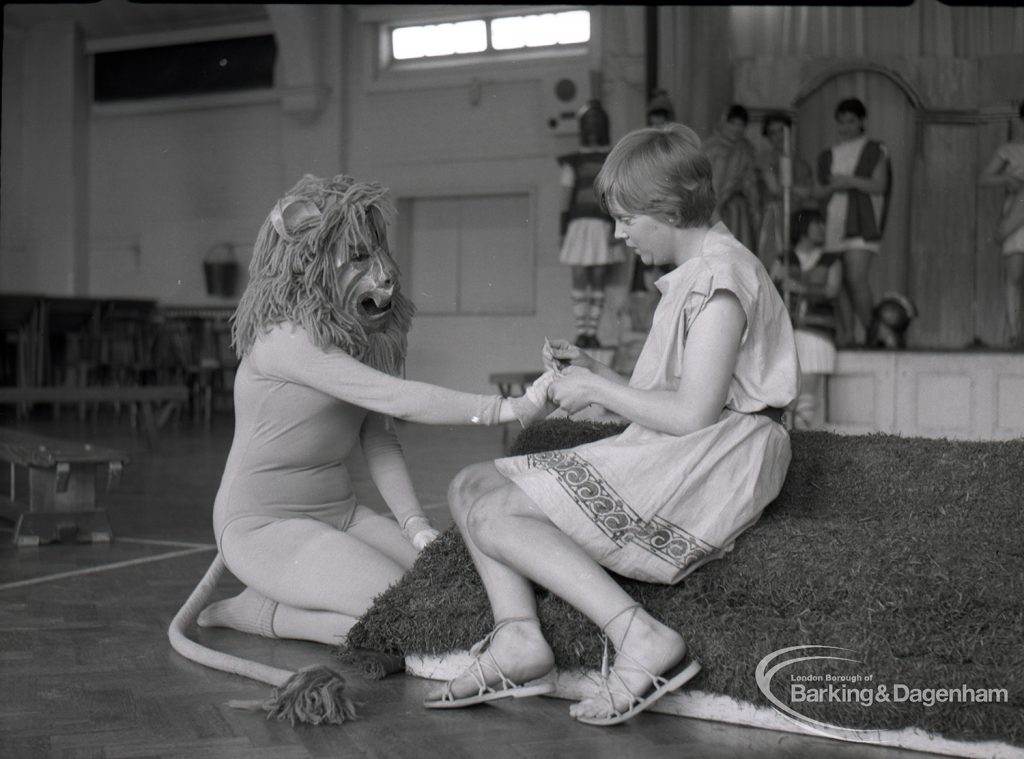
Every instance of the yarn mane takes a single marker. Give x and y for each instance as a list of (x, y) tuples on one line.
[(291, 275)]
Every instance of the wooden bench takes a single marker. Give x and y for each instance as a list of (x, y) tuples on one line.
[(156, 402), (508, 382), (61, 499)]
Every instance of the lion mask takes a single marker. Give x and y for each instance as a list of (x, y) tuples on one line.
[(322, 261)]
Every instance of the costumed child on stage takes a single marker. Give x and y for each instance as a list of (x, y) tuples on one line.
[(734, 165), (853, 183), (810, 281), (1006, 169), (586, 231), (704, 453), (321, 334)]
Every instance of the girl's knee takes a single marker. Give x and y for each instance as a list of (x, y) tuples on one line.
[(481, 523), (467, 486), (496, 518)]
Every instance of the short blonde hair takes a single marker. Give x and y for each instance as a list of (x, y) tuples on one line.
[(660, 172)]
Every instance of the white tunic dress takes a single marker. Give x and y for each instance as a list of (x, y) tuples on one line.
[(655, 506), (845, 157), (1013, 154)]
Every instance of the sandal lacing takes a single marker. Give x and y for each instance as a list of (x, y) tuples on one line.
[(620, 688), (476, 670)]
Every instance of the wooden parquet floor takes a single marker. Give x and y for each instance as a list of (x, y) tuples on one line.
[(86, 670)]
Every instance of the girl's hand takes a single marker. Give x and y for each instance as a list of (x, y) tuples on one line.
[(573, 389), (559, 354)]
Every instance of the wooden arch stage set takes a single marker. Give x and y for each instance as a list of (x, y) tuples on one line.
[(937, 117)]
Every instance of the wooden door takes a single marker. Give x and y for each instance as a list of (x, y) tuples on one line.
[(943, 276)]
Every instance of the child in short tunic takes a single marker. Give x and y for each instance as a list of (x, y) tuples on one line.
[(655, 506), (703, 454), (811, 280), (586, 230), (1005, 170)]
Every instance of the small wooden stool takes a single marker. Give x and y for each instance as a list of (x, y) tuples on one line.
[(509, 383), (61, 488)]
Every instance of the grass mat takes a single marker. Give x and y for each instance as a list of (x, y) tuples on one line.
[(905, 550)]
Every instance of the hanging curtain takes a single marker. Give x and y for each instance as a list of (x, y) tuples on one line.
[(695, 62), (927, 28)]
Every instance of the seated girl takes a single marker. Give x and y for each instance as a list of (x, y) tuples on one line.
[(704, 453)]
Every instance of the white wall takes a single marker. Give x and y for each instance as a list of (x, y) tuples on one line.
[(483, 130), (12, 228), (168, 186), (166, 183)]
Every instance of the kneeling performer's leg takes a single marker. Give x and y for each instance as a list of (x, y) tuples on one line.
[(321, 578)]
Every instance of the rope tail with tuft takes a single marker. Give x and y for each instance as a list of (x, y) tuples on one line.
[(314, 695)]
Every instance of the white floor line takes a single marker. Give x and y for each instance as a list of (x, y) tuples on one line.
[(151, 542), (104, 568)]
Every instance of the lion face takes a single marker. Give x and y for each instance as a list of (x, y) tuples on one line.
[(366, 278), (366, 283)]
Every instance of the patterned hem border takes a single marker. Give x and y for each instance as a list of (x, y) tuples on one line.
[(612, 515)]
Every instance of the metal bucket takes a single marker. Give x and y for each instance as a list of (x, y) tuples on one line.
[(220, 270)]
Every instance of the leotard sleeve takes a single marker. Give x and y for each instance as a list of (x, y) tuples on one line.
[(386, 465), (286, 353)]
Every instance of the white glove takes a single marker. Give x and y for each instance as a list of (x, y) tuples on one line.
[(534, 405), (419, 532), (424, 538), (537, 392)]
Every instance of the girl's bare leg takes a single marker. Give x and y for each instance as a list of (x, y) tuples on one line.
[(856, 282), (519, 649), (596, 276), (810, 412), (512, 543), (1014, 294), (580, 298)]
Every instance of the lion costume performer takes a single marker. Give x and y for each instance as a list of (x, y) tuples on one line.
[(321, 334)]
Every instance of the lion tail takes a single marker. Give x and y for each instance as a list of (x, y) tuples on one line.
[(314, 695)]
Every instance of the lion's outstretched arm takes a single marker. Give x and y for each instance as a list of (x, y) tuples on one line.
[(286, 353)]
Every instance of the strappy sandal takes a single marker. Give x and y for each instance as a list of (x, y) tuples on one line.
[(505, 688), (675, 677)]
